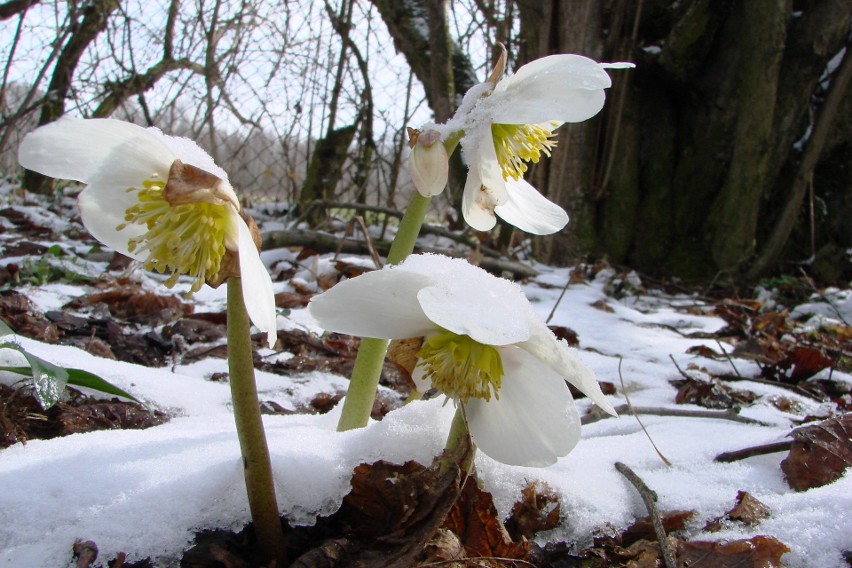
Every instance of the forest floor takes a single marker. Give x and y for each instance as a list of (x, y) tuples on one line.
[(739, 424)]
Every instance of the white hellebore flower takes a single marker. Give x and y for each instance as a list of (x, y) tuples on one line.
[(484, 348), (158, 199), (513, 124)]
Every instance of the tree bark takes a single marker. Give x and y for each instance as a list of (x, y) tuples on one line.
[(96, 16), (736, 209)]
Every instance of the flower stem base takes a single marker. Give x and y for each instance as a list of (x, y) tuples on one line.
[(257, 465)]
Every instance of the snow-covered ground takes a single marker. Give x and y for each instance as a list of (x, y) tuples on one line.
[(145, 492)]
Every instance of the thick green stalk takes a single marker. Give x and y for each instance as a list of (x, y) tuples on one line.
[(371, 355), (459, 449), (368, 364), (257, 466)]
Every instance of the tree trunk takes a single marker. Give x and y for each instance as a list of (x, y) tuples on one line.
[(96, 16)]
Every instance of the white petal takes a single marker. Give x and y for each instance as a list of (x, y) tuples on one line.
[(568, 88), (530, 211), (258, 295), (381, 304), (477, 204), (77, 149), (429, 168), (534, 421), (536, 103), (557, 354), (489, 169), (469, 301), (102, 210), (572, 71), (189, 152)]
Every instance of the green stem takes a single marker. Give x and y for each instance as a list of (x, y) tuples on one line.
[(257, 466), (358, 403), (459, 448), (371, 355)]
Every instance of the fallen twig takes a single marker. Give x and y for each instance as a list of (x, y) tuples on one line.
[(325, 242), (595, 416), (650, 499), (730, 360), (761, 450)]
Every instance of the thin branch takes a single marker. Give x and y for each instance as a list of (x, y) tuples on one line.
[(650, 499), (725, 353), (761, 450), (636, 416), (595, 415)]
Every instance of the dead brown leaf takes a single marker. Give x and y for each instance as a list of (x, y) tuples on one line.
[(748, 511), (538, 510), (474, 520), (756, 552), (820, 453), (23, 317)]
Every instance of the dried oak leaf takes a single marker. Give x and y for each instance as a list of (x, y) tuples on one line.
[(136, 305), (474, 520), (820, 453), (23, 317), (748, 511), (756, 552), (538, 510)]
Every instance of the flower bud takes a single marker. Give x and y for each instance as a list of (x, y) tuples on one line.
[(428, 163)]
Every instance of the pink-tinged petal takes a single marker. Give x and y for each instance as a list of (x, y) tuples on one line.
[(478, 204), (534, 421), (557, 355), (78, 149), (380, 304), (258, 295), (530, 211), (469, 301)]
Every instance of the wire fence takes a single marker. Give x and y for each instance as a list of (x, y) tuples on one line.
[(256, 85)]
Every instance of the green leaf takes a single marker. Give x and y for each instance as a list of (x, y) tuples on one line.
[(81, 378), (49, 380), (5, 329)]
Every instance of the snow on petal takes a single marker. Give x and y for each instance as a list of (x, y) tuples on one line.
[(380, 304), (77, 149), (258, 296), (533, 423), (467, 300), (530, 211)]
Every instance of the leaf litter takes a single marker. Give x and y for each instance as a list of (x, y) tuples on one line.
[(768, 357)]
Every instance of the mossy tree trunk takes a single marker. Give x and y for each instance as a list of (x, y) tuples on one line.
[(690, 166)]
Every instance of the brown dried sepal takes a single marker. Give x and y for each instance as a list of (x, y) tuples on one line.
[(230, 265), (403, 352), (189, 184)]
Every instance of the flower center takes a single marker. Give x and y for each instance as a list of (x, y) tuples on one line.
[(517, 144), (181, 239), (460, 367)]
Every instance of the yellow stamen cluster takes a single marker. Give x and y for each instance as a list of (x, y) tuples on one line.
[(181, 239), (461, 367), (517, 144)]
